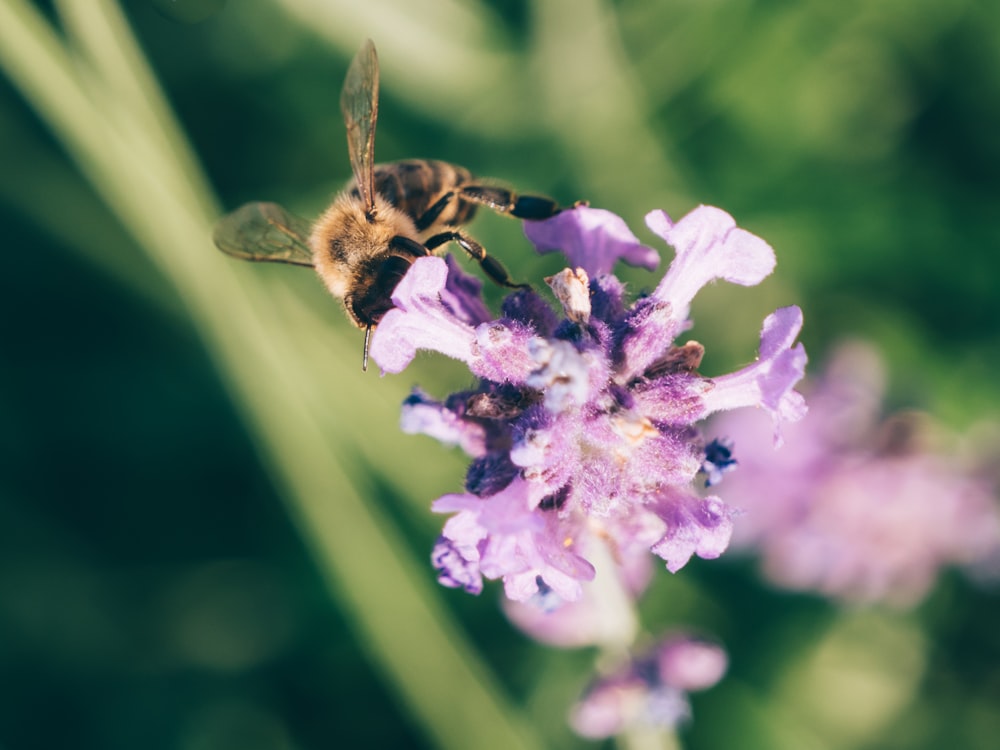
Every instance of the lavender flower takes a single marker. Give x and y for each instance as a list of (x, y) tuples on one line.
[(855, 507), (650, 691), (581, 428)]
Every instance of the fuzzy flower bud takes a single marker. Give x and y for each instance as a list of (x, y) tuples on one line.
[(649, 691)]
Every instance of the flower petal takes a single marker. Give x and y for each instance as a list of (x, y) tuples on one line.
[(429, 314), (709, 246), (463, 294), (528, 307), (691, 663), (422, 414), (420, 320), (649, 330), (592, 239), (695, 526), (454, 569), (508, 539), (769, 381)]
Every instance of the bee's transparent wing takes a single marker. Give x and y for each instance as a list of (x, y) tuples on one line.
[(359, 105), (264, 232)]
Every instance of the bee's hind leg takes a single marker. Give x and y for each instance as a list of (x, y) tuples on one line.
[(505, 201), (490, 265)]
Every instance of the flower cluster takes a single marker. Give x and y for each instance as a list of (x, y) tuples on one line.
[(857, 507), (582, 426), (650, 691)]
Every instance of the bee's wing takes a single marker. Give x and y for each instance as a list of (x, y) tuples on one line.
[(359, 105), (264, 232)]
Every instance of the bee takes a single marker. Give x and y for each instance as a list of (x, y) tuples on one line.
[(388, 215)]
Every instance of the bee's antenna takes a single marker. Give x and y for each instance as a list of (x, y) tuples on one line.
[(368, 336)]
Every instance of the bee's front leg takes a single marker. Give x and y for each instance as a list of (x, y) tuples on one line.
[(490, 265)]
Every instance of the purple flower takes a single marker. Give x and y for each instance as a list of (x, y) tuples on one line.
[(857, 507), (649, 691), (582, 428)]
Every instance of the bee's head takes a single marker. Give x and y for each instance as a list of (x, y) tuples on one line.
[(368, 304)]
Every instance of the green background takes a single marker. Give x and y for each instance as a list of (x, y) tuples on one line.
[(156, 590)]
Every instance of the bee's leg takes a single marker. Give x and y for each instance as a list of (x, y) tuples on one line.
[(431, 214), (490, 265), (504, 201), (406, 246)]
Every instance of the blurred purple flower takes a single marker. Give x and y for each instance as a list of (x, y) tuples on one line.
[(581, 429), (858, 508), (650, 691)]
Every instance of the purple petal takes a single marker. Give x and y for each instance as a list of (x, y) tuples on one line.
[(650, 328), (422, 414), (423, 318), (462, 295), (549, 562), (526, 306), (674, 399), (691, 663), (589, 620), (607, 300), (510, 540), (592, 239), (490, 473), (610, 706), (695, 526), (420, 320), (454, 570), (667, 457), (769, 381), (456, 555), (709, 246)]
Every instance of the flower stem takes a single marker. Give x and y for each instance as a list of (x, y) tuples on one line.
[(621, 630), (620, 625), (648, 738)]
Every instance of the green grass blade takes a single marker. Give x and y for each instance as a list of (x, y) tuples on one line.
[(104, 126)]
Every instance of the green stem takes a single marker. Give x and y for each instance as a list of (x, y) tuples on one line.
[(648, 738), (620, 633)]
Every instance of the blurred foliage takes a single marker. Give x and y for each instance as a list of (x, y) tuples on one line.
[(153, 592)]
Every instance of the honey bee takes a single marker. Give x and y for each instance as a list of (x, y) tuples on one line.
[(388, 215)]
